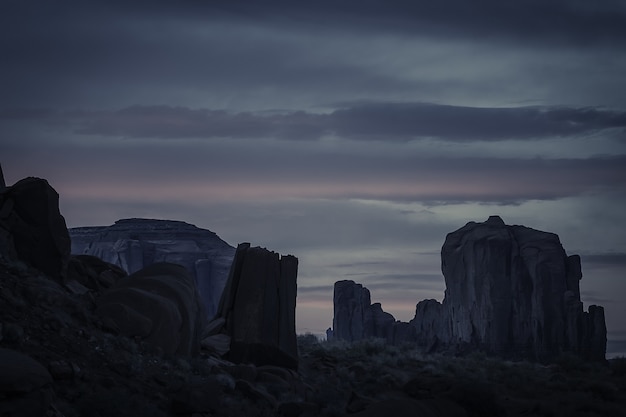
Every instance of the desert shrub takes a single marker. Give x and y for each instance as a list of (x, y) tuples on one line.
[(306, 342)]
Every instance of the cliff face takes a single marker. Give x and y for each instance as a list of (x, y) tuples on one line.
[(510, 290), (133, 244), (513, 289)]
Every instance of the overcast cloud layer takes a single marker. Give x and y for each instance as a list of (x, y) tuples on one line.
[(354, 135)]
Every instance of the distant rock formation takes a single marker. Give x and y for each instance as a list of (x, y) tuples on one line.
[(159, 304), (257, 310), (510, 290), (356, 318), (513, 290), (32, 229), (133, 244)]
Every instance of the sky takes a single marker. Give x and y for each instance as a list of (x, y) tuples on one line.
[(352, 134)]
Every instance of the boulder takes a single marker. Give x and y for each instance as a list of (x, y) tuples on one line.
[(132, 244), (258, 308), (93, 273), (158, 304), (32, 229)]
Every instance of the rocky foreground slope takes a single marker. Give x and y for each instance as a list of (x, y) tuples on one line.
[(510, 291), (78, 337)]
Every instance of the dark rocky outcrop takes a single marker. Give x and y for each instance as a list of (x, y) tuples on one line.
[(513, 290), (158, 304), (257, 309), (510, 290), (133, 244), (93, 273), (32, 229), (356, 318)]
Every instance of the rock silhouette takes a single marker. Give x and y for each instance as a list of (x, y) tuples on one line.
[(31, 227), (258, 307), (356, 318), (510, 290), (133, 244)]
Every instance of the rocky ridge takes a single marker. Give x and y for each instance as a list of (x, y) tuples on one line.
[(510, 291)]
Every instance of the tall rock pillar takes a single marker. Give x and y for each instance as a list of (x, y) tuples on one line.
[(258, 308)]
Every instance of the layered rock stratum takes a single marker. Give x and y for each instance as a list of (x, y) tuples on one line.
[(133, 244), (510, 290)]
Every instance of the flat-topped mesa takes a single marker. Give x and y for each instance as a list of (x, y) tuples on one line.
[(512, 290), (133, 244)]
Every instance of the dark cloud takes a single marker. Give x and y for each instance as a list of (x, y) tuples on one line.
[(605, 259), (559, 20), (380, 121), (413, 120)]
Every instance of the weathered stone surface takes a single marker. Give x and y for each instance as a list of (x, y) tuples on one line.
[(159, 304), (31, 227), (258, 308), (356, 318), (510, 290), (429, 324), (133, 244), (351, 301)]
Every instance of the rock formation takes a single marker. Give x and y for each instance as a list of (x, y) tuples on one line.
[(257, 309), (510, 290), (133, 244), (513, 290), (31, 227), (159, 304), (356, 318)]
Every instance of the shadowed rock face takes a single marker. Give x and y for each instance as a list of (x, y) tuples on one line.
[(510, 290), (158, 304), (513, 289), (356, 318), (135, 243), (31, 227), (258, 308)]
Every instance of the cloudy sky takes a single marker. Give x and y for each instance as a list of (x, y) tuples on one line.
[(352, 134)]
